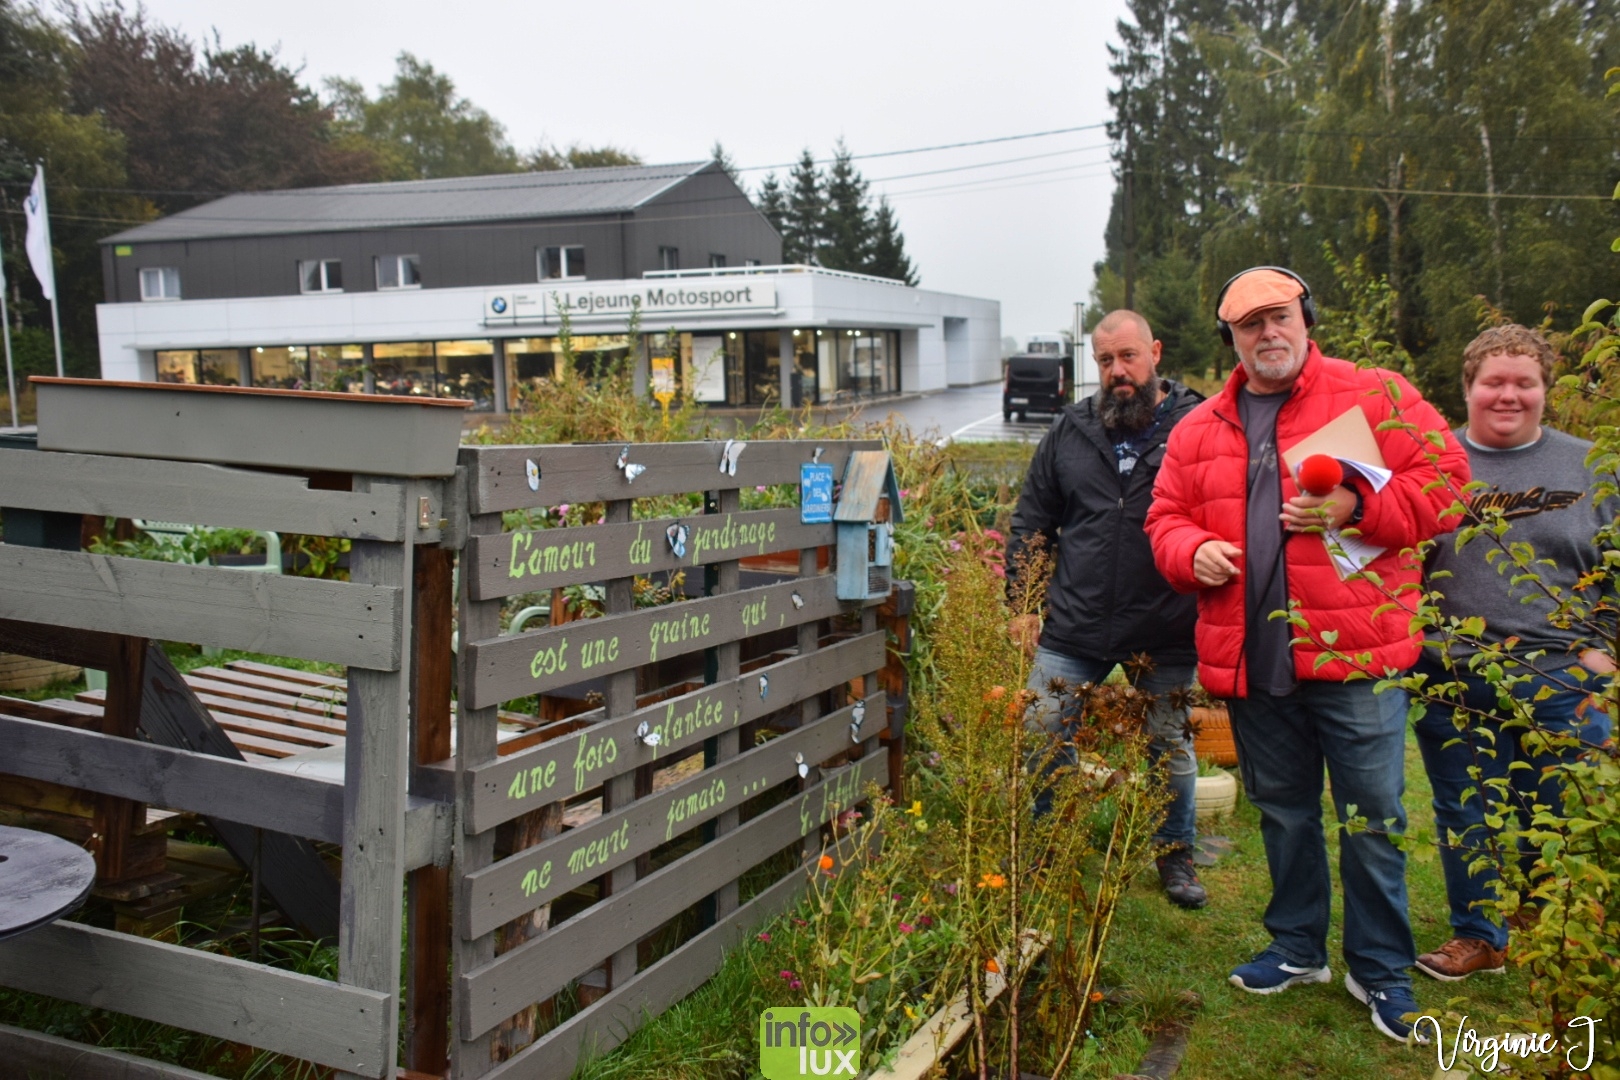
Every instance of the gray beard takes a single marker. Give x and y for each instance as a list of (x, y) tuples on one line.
[(1127, 415)]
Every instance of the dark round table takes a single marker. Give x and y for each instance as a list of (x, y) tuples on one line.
[(42, 878)]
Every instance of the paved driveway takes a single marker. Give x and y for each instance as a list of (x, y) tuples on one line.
[(963, 413)]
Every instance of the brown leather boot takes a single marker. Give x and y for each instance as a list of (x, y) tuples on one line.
[(1461, 957)]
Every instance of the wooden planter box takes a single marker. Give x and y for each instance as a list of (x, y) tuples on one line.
[(28, 673), (1213, 737), (244, 425)]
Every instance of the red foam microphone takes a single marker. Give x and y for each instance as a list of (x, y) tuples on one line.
[(1319, 474)]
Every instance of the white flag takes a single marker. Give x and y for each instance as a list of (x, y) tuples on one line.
[(38, 242)]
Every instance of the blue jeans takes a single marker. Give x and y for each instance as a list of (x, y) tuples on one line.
[(1167, 728), (1448, 768), (1282, 744)]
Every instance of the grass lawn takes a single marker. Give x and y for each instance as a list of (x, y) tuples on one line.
[(1315, 1031)]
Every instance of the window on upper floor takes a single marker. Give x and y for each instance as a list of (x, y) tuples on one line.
[(558, 263), (716, 261), (399, 272), (321, 275), (160, 283), (669, 258)]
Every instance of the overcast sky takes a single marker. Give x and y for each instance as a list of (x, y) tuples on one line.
[(665, 79)]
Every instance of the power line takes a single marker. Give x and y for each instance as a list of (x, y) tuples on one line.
[(989, 164), (999, 179), (929, 149), (1421, 191)]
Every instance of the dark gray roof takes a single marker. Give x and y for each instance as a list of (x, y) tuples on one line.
[(512, 196)]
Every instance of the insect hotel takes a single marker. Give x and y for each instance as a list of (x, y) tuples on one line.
[(567, 825)]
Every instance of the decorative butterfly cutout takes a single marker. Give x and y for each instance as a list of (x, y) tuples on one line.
[(798, 601), (533, 469), (764, 687), (677, 534), (729, 456), (630, 471), (804, 770), (647, 735)]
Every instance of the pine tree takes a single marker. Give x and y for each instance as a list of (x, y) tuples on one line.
[(802, 228), (718, 155), (848, 228), (889, 258), (772, 202)]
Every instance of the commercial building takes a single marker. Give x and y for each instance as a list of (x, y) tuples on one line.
[(463, 287)]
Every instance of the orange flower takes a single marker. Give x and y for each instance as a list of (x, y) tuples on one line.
[(995, 693), (992, 967), (1096, 996), (992, 881), (826, 862)]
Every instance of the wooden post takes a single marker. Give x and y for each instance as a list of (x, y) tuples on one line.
[(427, 990), (116, 819), (728, 664), (475, 745), (621, 789), (376, 772)]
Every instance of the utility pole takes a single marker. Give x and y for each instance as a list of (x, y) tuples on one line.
[(1130, 212)]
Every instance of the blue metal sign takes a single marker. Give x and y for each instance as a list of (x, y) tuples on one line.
[(815, 494)]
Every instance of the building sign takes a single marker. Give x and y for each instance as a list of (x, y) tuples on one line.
[(690, 296), (815, 494)]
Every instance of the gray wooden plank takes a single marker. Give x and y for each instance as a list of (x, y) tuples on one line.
[(176, 779), (616, 1016), (510, 667), (376, 772), (292, 871), (341, 622), (532, 561), (212, 495), (492, 896), (38, 1056), (539, 968), (428, 824), (476, 734), (588, 473), (298, 1015), (504, 788)]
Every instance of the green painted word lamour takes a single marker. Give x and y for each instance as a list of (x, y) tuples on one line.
[(554, 658), (531, 560), (678, 628)]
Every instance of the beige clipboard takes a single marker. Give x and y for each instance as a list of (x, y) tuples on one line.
[(1347, 437)]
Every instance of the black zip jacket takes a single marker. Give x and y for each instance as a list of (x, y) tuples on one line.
[(1106, 600)]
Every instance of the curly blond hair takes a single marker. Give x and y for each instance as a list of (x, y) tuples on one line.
[(1508, 340)]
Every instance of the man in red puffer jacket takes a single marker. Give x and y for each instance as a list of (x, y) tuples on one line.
[(1229, 521)]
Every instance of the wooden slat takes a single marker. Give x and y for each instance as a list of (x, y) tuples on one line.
[(510, 667), (234, 719), (542, 873), (81, 648), (562, 768), (376, 768), (291, 701), (212, 495), (175, 779), (303, 693), (295, 675), (539, 968), (340, 1026), (611, 1020), (588, 473), (533, 561), (288, 616), (35, 1054)]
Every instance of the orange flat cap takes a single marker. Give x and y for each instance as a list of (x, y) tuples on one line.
[(1255, 290)]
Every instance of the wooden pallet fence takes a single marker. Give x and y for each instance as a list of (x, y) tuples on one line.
[(101, 611), (633, 815)]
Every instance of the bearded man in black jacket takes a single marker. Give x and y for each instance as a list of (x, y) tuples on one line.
[(1087, 495)]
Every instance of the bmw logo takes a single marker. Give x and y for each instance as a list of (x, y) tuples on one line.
[(499, 305)]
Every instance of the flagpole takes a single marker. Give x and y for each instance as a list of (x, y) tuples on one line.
[(40, 256), (5, 327)]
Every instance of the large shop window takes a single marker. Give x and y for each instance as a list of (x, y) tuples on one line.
[(207, 367), (562, 263), (160, 283), (338, 368), (321, 275), (531, 363), (453, 369), (753, 367), (284, 367), (399, 272), (857, 363)]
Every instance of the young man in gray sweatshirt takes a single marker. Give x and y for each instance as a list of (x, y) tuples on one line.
[(1539, 481)]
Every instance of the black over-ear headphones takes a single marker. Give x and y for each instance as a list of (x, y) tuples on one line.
[(1306, 305)]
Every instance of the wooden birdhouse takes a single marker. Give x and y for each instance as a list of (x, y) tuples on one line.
[(868, 510)]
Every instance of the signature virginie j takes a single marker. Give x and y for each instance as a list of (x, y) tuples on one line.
[(1488, 1049)]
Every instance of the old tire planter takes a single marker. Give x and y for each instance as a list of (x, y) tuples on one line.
[(1216, 795)]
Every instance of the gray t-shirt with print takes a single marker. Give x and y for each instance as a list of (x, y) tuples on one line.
[(1266, 640)]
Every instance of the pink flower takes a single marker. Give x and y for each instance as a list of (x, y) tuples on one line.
[(763, 936), (992, 534), (906, 928), (785, 975), (795, 985), (896, 896), (905, 493), (951, 888), (562, 511), (926, 921), (800, 921), (956, 545), (761, 488)]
